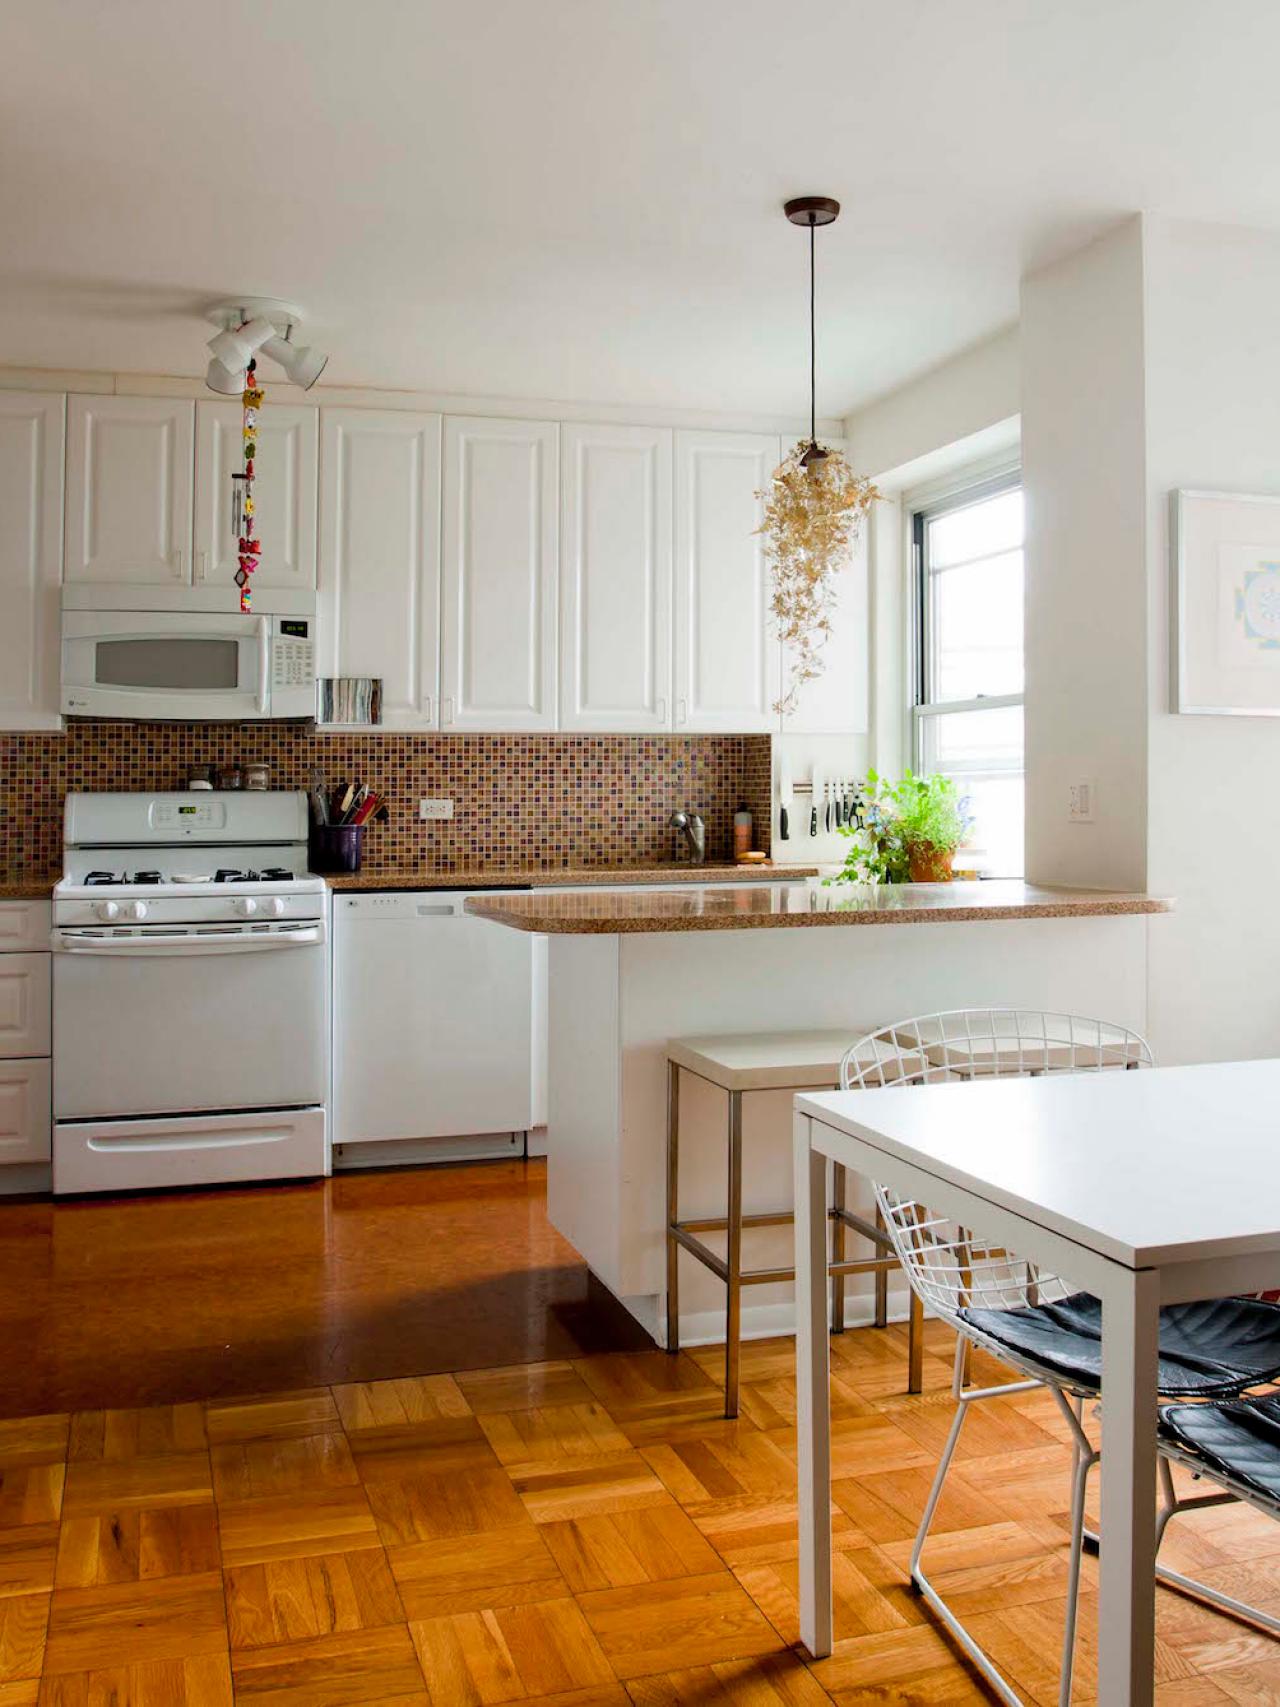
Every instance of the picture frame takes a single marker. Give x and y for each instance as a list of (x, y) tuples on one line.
[(1225, 651)]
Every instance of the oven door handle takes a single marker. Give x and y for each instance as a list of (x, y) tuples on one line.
[(195, 943)]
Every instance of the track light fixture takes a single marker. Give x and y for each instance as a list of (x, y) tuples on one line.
[(253, 324)]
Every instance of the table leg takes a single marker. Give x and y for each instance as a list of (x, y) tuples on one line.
[(813, 1394), (1126, 1617), (838, 1248)]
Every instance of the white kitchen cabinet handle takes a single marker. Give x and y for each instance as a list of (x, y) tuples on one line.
[(446, 709), (193, 943), (202, 565), (662, 709), (682, 710), (426, 707), (179, 562)]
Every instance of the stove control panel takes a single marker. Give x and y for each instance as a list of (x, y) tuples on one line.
[(182, 815)]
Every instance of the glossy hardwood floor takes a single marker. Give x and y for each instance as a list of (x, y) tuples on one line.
[(197, 1295), (584, 1532)]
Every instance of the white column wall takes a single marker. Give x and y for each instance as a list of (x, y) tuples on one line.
[(1083, 471)]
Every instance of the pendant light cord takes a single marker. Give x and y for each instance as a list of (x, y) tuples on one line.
[(813, 341)]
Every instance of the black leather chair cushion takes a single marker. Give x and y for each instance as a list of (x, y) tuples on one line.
[(1217, 1347), (1241, 1439)]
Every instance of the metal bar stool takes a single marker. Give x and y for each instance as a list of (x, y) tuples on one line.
[(767, 1061)]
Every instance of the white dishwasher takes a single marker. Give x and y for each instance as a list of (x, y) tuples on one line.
[(432, 1030)]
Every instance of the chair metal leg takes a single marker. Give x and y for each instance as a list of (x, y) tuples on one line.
[(733, 1258), (673, 1206), (838, 1181)]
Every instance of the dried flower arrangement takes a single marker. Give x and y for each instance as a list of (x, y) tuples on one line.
[(812, 517)]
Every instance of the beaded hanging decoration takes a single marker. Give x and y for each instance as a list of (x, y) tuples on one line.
[(250, 548)]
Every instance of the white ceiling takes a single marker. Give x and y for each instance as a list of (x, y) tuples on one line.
[(580, 199)]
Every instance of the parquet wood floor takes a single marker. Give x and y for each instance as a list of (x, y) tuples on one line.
[(585, 1532)]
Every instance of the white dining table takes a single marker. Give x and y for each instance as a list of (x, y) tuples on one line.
[(1145, 1188)]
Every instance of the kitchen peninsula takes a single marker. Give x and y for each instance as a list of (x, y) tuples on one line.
[(629, 971)]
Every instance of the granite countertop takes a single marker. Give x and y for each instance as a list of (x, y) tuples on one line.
[(775, 905), (27, 885), (559, 877)]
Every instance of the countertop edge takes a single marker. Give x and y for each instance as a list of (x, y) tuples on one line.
[(562, 877), (550, 924)]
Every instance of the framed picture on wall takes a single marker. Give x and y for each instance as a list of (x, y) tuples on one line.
[(1226, 607)]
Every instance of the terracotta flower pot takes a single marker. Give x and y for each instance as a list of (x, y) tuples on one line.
[(930, 864)]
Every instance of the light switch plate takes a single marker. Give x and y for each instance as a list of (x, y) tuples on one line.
[(435, 809), (1080, 802)]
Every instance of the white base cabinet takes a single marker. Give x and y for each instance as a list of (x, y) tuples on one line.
[(25, 1038)]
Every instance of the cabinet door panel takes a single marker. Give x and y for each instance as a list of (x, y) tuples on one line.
[(726, 649), (615, 578), (24, 924), (498, 641), (25, 1005), (31, 447), (24, 1111), (129, 469), (379, 580), (284, 494)]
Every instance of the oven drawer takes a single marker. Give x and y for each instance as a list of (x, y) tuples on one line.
[(129, 1155), (24, 1005)]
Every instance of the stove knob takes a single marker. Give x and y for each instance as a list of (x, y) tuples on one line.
[(275, 905), (138, 909), (245, 905), (107, 909)]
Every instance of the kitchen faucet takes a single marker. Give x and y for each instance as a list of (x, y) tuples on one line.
[(694, 831)]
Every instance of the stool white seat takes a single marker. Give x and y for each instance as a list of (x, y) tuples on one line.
[(738, 1064)]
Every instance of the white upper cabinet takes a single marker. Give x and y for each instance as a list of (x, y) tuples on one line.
[(615, 578), (284, 494), (31, 435), (129, 489), (498, 634), (726, 650), (379, 580)]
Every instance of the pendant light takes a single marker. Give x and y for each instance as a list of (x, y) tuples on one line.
[(812, 211), (813, 510)]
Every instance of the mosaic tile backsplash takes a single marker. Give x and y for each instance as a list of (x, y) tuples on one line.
[(539, 800)]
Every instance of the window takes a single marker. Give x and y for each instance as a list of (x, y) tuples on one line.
[(968, 711)]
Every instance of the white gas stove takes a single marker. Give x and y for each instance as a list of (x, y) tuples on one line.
[(190, 992)]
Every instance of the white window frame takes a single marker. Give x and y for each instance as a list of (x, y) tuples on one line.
[(921, 510)]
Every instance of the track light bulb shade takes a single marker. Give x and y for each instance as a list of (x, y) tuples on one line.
[(228, 381), (302, 365), (236, 348)]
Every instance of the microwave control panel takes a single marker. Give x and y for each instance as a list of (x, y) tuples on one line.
[(293, 654)]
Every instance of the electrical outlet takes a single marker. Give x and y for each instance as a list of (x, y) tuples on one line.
[(1080, 802), (435, 809)]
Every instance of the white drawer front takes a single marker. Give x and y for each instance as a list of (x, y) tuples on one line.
[(131, 1155), (24, 1111), (24, 924), (24, 1004)]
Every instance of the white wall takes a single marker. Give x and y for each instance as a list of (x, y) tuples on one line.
[(1083, 462), (1213, 421)]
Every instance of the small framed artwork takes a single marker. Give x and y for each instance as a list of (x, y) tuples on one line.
[(1226, 570)]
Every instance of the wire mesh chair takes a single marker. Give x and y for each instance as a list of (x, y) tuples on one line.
[(1035, 1321)]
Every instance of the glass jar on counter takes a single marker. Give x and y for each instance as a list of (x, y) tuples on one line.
[(231, 776), (257, 775)]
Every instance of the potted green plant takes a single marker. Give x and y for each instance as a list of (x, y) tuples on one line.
[(907, 832)]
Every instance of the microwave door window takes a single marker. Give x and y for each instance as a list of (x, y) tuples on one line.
[(160, 663)]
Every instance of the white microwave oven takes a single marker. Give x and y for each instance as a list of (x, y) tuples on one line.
[(178, 665)]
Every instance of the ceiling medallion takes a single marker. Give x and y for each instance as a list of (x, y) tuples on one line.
[(813, 512)]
